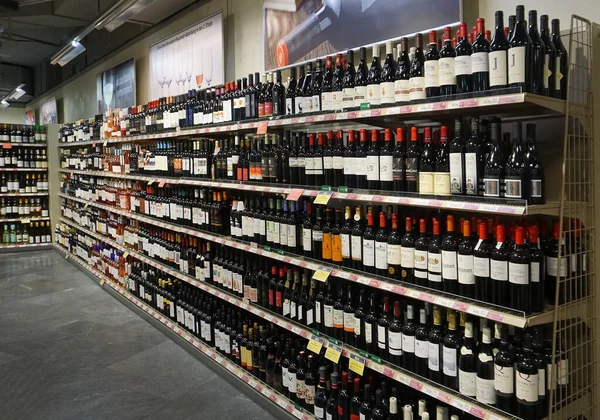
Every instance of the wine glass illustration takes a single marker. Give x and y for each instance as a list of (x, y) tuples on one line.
[(108, 89), (199, 68), (168, 65), (208, 70), (158, 70), (189, 60), (180, 60)]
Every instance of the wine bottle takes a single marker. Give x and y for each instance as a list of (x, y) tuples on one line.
[(499, 268), (408, 253), (527, 382), (446, 65), (306, 100), (520, 54), (536, 271), (408, 340), (474, 161), (383, 324), (398, 164), (361, 160), (449, 258), (388, 75), (355, 401), (480, 66), (518, 274), (321, 394), (348, 317), (328, 152), (279, 101), (356, 238), (561, 63), (394, 250), (338, 159), (422, 345), (331, 409), (359, 322), (360, 81), (457, 161), (504, 375), (486, 393), (413, 156), (435, 352), (450, 348), (434, 258), (317, 235), (366, 406), (370, 325), (395, 336), (467, 364), (420, 255), (462, 62), (417, 72), (538, 53), (493, 173), (466, 276), (344, 396), (481, 266), (374, 79), (368, 244), (350, 166), (516, 177), (386, 162), (346, 241), (432, 71), (316, 87), (348, 82), (402, 76), (427, 164), (372, 162), (327, 87), (381, 251), (498, 60), (441, 181), (549, 57), (535, 168)]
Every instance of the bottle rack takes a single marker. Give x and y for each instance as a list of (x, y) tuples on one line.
[(573, 318)]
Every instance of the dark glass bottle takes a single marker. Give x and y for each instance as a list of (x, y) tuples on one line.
[(355, 402), (474, 161), (499, 268), (481, 266), (420, 254), (462, 62), (436, 338), (359, 322), (367, 406), (374, 78), (432, 70), (527, 382), (368, 243), (370, 325), (399, 162), (360, 81), (447, 74), (549, 77), (561, 63), (504, 375), (381, 242), (518, 274), (408, 340), (535, 169), (331, 409), (350, 166), (434, 258), (402, 77), (413, 156), (520, 54), (372, 162), (422, 345), (538, 53), (493, 173), (498, 56), (388, 76), (394, 250), (516, 179), (378, 412), (408, 252), (426, 164), (417, 71), (344, 395), (466, 276), (360, 160), (450, 353), (395, 337), (486, 393), (441, 180), (467, 364), (457, 160), (536, 271), (386, 162), (348, 83), (383, 324), (480, 59), (321, 395), (356, 240), (449, 258)]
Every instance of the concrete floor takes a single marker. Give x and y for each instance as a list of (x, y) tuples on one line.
[(69, 350)]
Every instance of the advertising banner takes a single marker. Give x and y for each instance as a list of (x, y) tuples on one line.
[(321, 27), (115, 88), (190, 59), (48, 112), (29, 117)]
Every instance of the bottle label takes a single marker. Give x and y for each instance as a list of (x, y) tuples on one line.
[(516, 65), (360, 95), (491, 187), (300, 389), (552, 266), (536, 188), (513, 188), (449, 270), (387, 92), (338, 162), (394, 254), (317, 235), (412, 169), (357, 326), (447, 71), (327, 101), (441, 183), (466, 382), (327, 162), (456, 173), (485, 391), (298, 105), (374, 94), (527, 387), (395, 343), (557, 74), (316, 103), (499, 270), (328, 315), (336, 248), (426, 183), (309, 317), (307, 239), (386, 168), (471, 173), (449, 361), (563, 372), (421, 349), (462, 65), (317, 166), (518, 273), (356, 248), (338, 318), (434, 357), (504, 379), (319, 412), (480, 62), (497, 68), (408, 257), (465, 270), (547, 71), (398, 169), (292, 382), (348, 166), (434, 263), (348, 98), (417, 88), (284, 373), (534, 272), (372, 168), (542, 383), (381, 255), (348, 322), (368, 333), (432, 73), (401, 91), (481, 267), (420, 258), (291, 236), (289, 106), (345, 245), (381, 337), (369, 252), (408, 343)]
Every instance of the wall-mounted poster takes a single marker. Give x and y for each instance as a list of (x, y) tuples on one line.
[(29, 117), (190, 59), (115, 88), (321, 27), (48, 112)]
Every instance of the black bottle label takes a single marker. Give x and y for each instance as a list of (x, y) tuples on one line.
[(412, 169)]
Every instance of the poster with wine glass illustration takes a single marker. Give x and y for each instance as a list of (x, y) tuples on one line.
[(115, 88), (190, 59)]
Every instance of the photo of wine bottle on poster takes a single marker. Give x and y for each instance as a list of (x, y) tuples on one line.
[(190, 59), (300, 30)]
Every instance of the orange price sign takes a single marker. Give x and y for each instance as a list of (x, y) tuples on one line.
[(262, 127)]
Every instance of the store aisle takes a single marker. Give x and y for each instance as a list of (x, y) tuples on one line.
[(69, 350)]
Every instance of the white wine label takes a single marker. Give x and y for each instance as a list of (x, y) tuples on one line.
[(432, 73), (395, 343), (327, 101), (338, 162), (328, 315), (402, 91), (387, 92), (319, 412), (357, 329), (381, 342), (369, 252), (394, 254), (471, 173), (449, 270), (552, 266), (327, 162), (499, 270), (513, 188), (372, 168), (434, 357), (480, 62), (491, 187), (481, 267), (441, 183), (408, 343), (446, 71), (338, 318), (318, 312), (348, 98), (449, 360), (465, 269), (527, 387), (534, 272), (386, 168), (360, 95), (518, 273), (374, 94), (422, 349), (466, 383), (348, 321), (420, 259), (456, 173), (516, 65), (381, 255), (408, 257), (345, 245), (417, 88), (368, 333), (426, 183), (485, 391), (462, 65), (547, 71), (356, 248)]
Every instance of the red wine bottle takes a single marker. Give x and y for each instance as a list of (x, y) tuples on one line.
[(535, 169), (361, 160), (279, 105), (327, 88), (561, 64), (318, 170), (382, 329), (374, 79), (427, 164), (413, 156), (386, 162), (519, 54), (399, 161), (449, 258), (493, 173), (549, 57), (462, 62), (360, 81), (447, 74), (481, 266), (467, 364), (402, 76), (337, 85), (516, 177), (450, 350), (432, 70), (527, 382), (422, 345), (480, 66), (504, 375), (348, 82), (408, 340), (434, 258), (381, 252), (536, 271), (388, 76), (538, 53), (394, 250), (417, 72), (350, 160), (368, 242), (466, 277), (518, 274), (435, 353), (421, 257), (395, 336), (408, 253), (457, 160), (474, 161), (373, 162), (441, 181), (498, 56)]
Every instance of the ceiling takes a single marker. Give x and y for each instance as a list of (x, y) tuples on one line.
[(30, 35)]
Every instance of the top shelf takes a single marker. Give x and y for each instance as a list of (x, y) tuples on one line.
[(513, 103)]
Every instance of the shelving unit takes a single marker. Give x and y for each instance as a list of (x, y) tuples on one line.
[(573, 319)]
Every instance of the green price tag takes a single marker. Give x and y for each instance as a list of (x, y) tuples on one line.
[(267, 248), (325, 187), (332, 340), (363, 354), (376, 359), (343, 189), (316, 332), (365, 105), (280, 252)]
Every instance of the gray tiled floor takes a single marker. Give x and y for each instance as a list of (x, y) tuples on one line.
[(68, 350)]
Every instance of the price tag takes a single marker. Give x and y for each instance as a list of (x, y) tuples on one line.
[(101, 282), (162, 183), (6, 146), (322, 274), (357, 364), (333, 353), (295, 194), (126, 254), (343, 189), (315, 345), (151, 182), (376, 359), (105, 143), (262, 127), (323, 197), (24, 221), (86, 205)]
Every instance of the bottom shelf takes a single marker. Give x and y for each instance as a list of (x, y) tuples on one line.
[(24, 247), (231, 367)]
